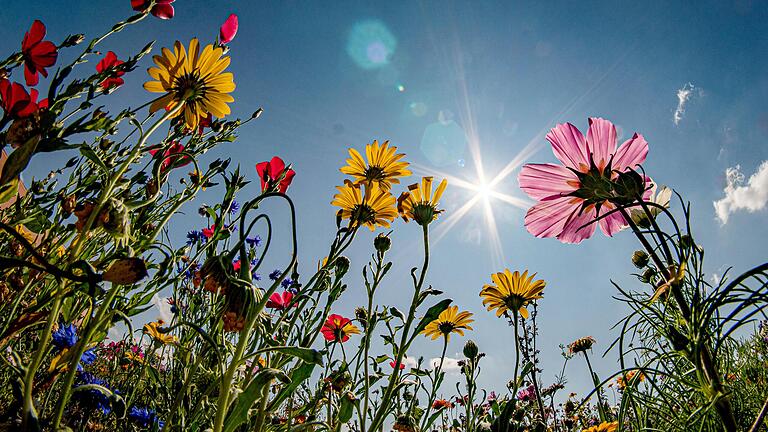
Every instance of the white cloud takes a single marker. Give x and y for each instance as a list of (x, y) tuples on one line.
[(683, 94), (751, 196), (163, 308), (450, 364), (410, 362)]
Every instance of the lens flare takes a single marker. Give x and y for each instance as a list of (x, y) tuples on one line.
[(370, 44)]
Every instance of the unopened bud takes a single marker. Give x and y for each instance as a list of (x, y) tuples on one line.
[(342, 265), (640, 259), (470, 350), (382, 243), (73, 40), (256, 114)]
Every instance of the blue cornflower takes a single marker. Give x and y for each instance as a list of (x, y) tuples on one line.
[(275, 275), (234, 207), (256, 277), (88, 357), (92, 398), (286, 283), (65, 336), (145, 417), (255, 241), (194, 237)]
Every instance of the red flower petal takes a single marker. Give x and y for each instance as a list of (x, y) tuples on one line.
[(228, 30), (163, 10), (35, 34)]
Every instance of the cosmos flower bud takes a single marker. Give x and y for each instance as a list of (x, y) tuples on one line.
[(640, 259), (382, 243), (126, 271), (470, 350)]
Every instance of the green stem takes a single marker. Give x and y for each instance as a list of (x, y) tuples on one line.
[(435, 386), (596, 382), (29, 378), (382, 412)]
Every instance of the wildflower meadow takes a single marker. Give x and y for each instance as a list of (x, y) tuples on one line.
[(309, 344)]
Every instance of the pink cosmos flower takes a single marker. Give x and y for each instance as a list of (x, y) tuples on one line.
[(587, 165), (228, 30), (162, 8), (281, 301)]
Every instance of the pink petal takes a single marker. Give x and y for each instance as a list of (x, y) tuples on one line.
[(541, 181), (547, 218), (569, 146), (601, 139), (613, 223), (632, 153), (575, 230), (228, 30)]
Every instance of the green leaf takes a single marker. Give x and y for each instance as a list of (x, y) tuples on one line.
[(396, 313), (255, 389), (308, 355), (345, 410), (432, 314), (8, 191), (298, 376), (91, 155), (18, 160), (382, 358)]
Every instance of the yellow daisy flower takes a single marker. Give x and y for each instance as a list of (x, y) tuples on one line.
[(419, 204), (383, 167), (604, 427), (449, 321), (193, 79), (153, 331), (374, 207), (511, 292)]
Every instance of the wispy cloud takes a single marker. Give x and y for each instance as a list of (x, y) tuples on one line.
[(450, 364), (752, 196), (683, 95)]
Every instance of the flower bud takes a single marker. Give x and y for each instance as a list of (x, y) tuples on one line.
[(470, 350), (256, 114), (73, 40), (648, 275), (126, 271), (686, 241), (342, 265), (640, 259), (382, 243)]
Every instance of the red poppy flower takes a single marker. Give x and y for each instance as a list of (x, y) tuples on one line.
[(337, 328), (16, 102), (208, 232), (236, 265), (110, 63), (442, 403), (281, 301), (392, 363), (228, 30), (162, 8), (38, 54), (270, 172), (170, 161)]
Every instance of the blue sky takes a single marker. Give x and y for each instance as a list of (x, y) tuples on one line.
[(436, 77)]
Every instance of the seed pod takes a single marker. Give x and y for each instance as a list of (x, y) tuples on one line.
[(640, 259)]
